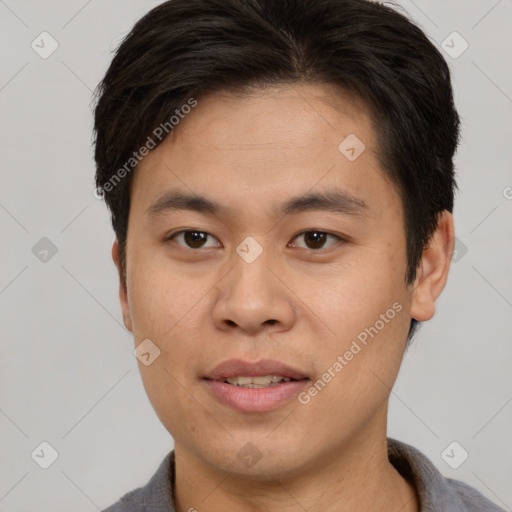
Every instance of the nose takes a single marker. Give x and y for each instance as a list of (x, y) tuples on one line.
[(252, 298)]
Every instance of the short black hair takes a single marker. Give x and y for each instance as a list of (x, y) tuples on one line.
[(185, 49)]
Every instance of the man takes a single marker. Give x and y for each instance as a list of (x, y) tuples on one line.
[(280, 177)]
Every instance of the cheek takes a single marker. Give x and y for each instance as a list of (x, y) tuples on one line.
[(164, 310), (353, 296), (168, 308), (360, 358), (158, 296), (366, 309)]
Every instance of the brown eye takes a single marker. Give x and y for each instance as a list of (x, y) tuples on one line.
[(193, 239), (315, 239)]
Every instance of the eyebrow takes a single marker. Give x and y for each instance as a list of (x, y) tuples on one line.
[(337, 201)]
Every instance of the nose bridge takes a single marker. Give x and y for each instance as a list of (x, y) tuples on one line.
[(251, 275)]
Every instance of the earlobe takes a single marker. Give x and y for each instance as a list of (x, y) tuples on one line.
[(433, 269), (123, 292)]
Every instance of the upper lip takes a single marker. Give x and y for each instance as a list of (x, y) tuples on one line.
[(239, 367)]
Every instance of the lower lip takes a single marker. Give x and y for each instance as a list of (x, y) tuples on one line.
[(255, 399)]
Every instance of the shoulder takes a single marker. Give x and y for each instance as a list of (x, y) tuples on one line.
[(435, 492), (130, 502), (155, 496), (472, 499)]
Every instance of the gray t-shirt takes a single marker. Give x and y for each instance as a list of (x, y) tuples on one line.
[(436, 493)]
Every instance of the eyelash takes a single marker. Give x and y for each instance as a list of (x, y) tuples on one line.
[(302, 233)]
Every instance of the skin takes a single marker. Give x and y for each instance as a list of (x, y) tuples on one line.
[(300, 305)]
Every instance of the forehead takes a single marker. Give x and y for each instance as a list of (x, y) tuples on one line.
[(310, 113), (265, 143)]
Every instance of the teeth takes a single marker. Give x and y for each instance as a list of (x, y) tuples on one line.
[(257, 382)]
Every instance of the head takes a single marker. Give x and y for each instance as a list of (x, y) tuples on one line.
[(236, 119)]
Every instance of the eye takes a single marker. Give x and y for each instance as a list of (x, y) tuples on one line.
[(193, 239), (315, 239)]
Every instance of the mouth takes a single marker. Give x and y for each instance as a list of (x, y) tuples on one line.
[(255, 386), (264, 381), (264, 369)]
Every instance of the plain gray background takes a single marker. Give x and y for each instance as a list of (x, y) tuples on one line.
[(68, 374)]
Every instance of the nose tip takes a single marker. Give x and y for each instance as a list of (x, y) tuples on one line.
[(252, 299)]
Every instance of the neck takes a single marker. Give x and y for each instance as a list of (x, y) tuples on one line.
[(357, 476)]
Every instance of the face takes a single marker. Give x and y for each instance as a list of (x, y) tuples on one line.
[(263, 237)]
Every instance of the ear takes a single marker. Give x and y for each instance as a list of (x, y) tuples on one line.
[(433, 269), (123, 294)]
